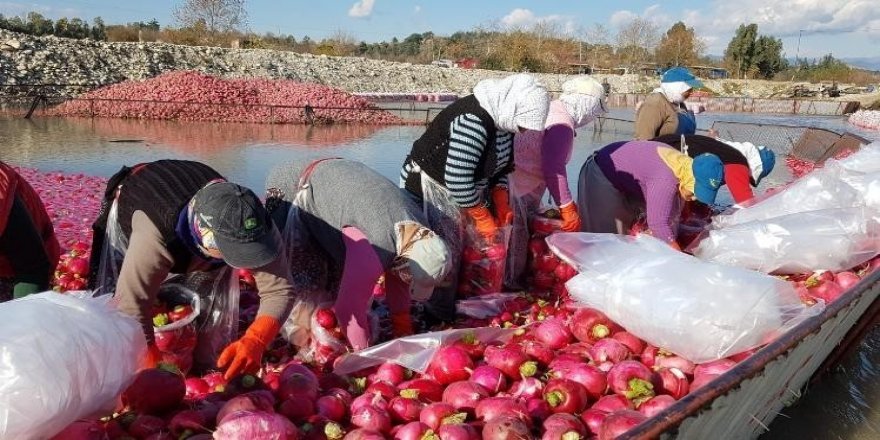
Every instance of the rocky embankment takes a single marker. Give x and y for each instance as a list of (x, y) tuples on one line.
[(86, 64)]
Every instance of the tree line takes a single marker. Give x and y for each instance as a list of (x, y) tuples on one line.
[(541, 47)]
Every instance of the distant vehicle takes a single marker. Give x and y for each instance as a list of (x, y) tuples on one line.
[(443, 63)]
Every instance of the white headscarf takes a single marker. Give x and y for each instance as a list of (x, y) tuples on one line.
[(513, 102), (584, 98), (674, 91), (752, 154)]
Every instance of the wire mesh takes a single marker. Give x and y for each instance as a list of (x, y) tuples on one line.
[(780, 138)]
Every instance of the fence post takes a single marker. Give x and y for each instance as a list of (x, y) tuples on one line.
[(272, 113), (91, 108)]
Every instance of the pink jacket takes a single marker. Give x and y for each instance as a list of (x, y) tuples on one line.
[(541, 157)]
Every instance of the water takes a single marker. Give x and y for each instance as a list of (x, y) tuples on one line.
[(840, 407)]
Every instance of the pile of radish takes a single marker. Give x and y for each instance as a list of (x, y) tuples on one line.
[(800, 167), (547, 273), (195, 96), (867, 119)]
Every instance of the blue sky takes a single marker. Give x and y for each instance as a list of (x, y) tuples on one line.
[(846, 28)]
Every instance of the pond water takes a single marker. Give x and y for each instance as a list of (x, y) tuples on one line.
[(842, 406)]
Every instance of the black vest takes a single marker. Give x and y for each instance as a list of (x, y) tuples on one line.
[(429, 151), (161, 190)]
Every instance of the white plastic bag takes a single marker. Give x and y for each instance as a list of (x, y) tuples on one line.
[(701, 311), (828, 239), (63, 357), (415, 352)]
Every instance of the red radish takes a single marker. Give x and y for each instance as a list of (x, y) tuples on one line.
[(701, 380), (619, 422), (331, 380), (390, 373), (491, 378), (684, 365), (383, 389), (543, 281), (632, 342), (428, 390), (450, 364), (527, 388), (403, 409), (506, 428), (564, 272), (243, 384), (631, 379), (331, 407), (325, 318), (470, 344), (649, 356), (297, 409), (415, 431), (436, 413), (612, 402), (154, 391), (546, 263), (739, 357), (246, 425), (367, 399), (511, 362), (560, 433), (297, 382), (827, 291), (364, 434), (215, 380), (539, 409), (590, 325), (569, 422), (553, 333), (655, 405), (196, 388), (539, 352), (610, 350), (298, 369), (254, 401), (341, 394), (459, 431), (593, 419), (537, 246), (161, 435), (671, 381), (715, 368), (371, 418), (492, 407), (193, 420), (464, 395), (145, 425), (591, 378), (566, 396), (846, 279)]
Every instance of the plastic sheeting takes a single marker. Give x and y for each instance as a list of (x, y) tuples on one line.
[(701, 311), (63, 357)]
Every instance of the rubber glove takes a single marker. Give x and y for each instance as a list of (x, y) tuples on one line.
[(22, 290), (571, 221), (501, 203), (246, 354), (483, 221), (152, 357)]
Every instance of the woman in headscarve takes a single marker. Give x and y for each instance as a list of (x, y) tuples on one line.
[(663, 111), (541, 158), (463, 160)]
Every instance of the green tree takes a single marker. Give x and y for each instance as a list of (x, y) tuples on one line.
[(99, 30), (680, 46), (740, 52), (62, 27), (39, 25), (768, 57)]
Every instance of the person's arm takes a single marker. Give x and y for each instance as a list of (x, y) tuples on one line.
[(650, 118), (738, 180), (467, 142), (555, 150), (146, 264), (661, 200)]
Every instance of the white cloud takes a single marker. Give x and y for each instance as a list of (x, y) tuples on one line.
[(783, 18), (619, 18), (11, 9), (361, 9), (417, 9), (524, 18)]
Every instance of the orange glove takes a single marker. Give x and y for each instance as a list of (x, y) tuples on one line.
[(401, 325), (674, 245), (245, 354), (571, 221), (501, 203), (483, 220), (152, 357)]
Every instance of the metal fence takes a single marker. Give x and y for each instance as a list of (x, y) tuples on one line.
[(753, 105)]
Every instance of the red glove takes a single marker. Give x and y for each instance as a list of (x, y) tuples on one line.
[(571, 221), (501, 203), (246, 354), (483, 221)]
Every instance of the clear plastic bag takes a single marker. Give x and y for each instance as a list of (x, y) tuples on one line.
[(485, 306), (523, 206), (828, 239), (112, 253), (415, 352), (177, 340), (483, 263), (701, 311), (64, 357), (446, 220)]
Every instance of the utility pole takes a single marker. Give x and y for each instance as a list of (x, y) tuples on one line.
[(797, 57)]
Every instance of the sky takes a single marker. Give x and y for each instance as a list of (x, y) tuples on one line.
[(808, 28)]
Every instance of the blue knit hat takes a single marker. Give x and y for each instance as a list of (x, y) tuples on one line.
[(768, 161), (681, 74), (708, 177)]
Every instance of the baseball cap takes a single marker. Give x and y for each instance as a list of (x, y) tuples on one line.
[(768, 161), (242, 229), (429, 263), (708, 176), (681, 74)]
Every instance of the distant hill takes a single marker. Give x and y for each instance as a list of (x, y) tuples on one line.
[(869, 63)]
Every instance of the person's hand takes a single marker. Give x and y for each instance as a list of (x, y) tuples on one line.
[(246, 354), (501, 203), (713, 133), (674, 244), (483, 221), (571, 221)]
